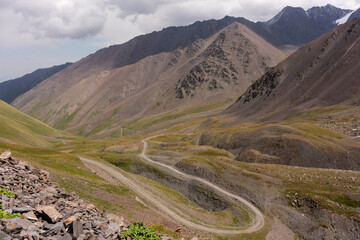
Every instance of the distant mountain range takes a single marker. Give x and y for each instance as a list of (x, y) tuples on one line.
[(206, 62), (11, 89), (295, 26)]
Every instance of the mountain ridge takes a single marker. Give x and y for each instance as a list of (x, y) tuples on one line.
[(152, 81), (302, 80), (294, 25), (11, 89)]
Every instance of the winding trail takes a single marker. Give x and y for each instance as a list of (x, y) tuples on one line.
[(161, 205)]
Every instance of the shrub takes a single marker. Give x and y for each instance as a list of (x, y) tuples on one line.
[(4, 214), (6, 192), (138, 231)]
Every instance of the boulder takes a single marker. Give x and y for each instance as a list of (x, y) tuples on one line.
[(71, 219), (5, 155), (30, 216), (76, 229), (49, 214)]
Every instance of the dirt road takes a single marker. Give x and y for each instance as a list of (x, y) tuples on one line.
[(164, 207)]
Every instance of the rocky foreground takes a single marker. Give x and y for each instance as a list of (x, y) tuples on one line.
[(48, 211)]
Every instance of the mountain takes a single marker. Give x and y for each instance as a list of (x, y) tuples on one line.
[(206, 62), (303, 112), (21, 129), (324, 72), (11, 89), (355, 14), (294, 25), (168, 40), (92, 95)]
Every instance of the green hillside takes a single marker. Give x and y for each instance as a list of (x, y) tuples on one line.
[(19, 128)]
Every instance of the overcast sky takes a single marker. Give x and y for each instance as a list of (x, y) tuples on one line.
[(42, 33)]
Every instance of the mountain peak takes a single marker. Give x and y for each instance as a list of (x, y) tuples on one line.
[(284, 14)]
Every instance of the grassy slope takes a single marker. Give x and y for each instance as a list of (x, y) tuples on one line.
[(35, 142), (19, 128)]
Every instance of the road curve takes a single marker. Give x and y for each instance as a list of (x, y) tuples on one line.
[(258, 221)]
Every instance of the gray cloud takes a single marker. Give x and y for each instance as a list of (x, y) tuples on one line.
[(80, 19), (127, 8), (60, 19)]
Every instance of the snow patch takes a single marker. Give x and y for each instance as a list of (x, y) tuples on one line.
[(344, 19)]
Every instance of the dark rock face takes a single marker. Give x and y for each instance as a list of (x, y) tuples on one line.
[(355, 14), (48, 211), (263, 86), (292, 26), (11, 89), (297, 26), (324, 17), (217, 71)]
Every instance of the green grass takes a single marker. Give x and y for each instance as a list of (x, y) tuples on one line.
[(123, 161), (6, 192), (102, 125), (48, 158), (63, 122), (319, 132), (336, 202), (20, 128), (314, 113), (74, 138), (143, 123), (7, 215), (212, 152)]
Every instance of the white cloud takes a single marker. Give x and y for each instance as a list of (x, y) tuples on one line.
[(59, 18)]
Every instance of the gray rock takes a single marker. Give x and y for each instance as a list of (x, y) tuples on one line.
[(67, 236), (22, 209), (5, 155), (44, 205), (114, 227), (76, 229), (55, 229), (49, 213), (24, 223), (12, 226), (30, 216), (4, 236)]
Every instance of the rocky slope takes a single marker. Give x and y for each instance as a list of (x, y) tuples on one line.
[(11, 89), (90, 96), (322, 73), (287, 144), (291, 103), (48, 211)]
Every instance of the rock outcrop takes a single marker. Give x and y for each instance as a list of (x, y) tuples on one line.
[(48, 211)]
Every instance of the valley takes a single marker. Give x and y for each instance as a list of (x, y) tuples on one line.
[(276, 190), (232, 130)]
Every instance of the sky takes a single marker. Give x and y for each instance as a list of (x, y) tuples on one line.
[(42, 33)]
